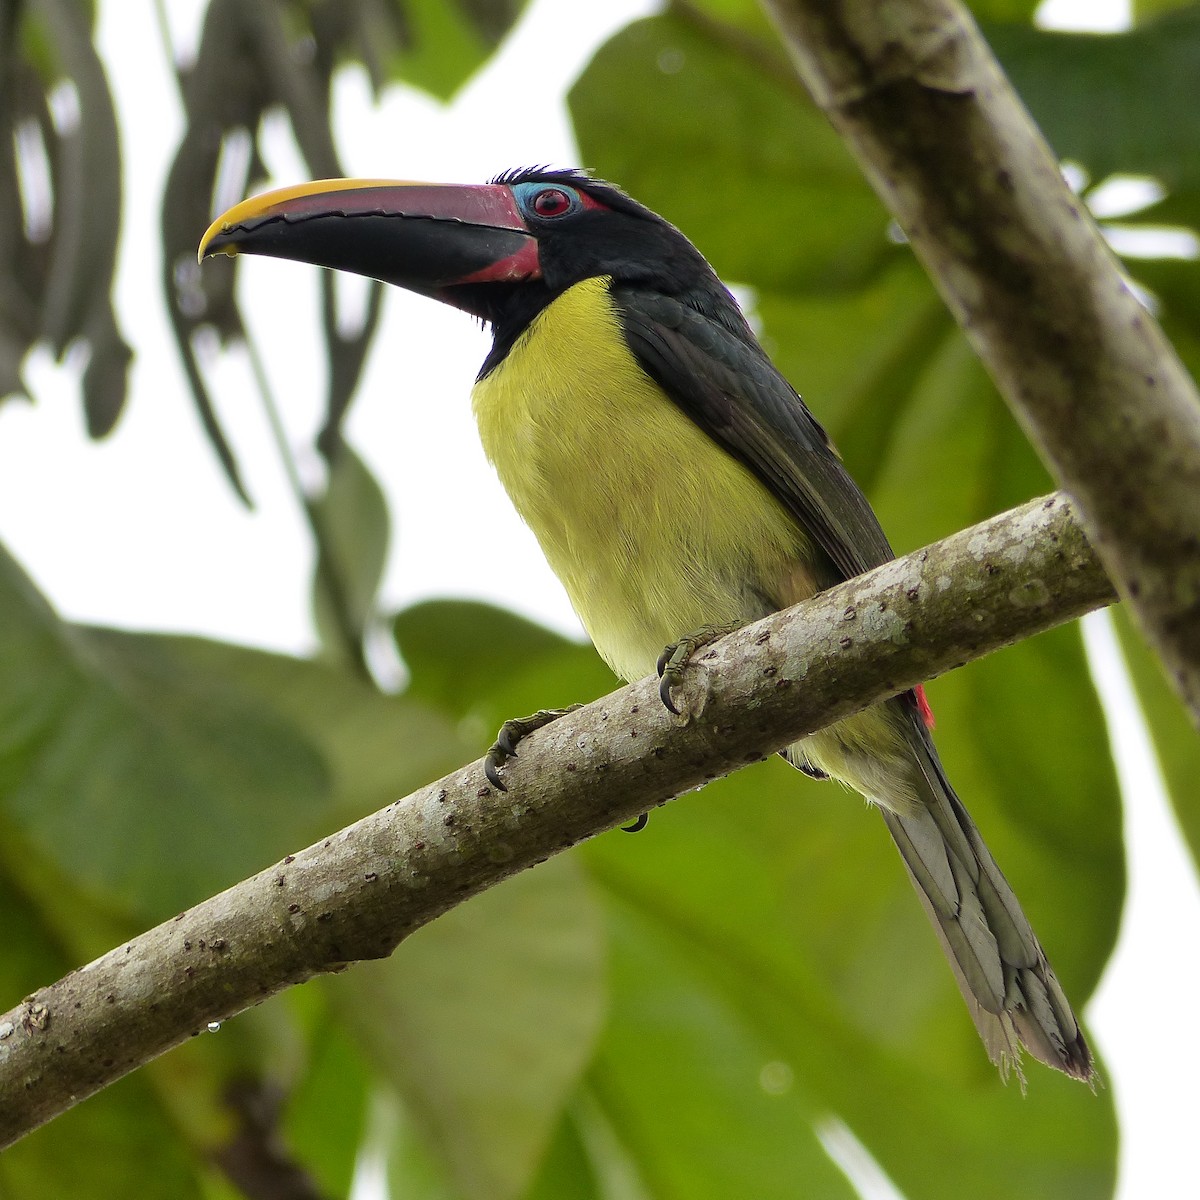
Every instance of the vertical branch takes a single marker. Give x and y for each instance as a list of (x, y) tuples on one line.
[(943, 138)]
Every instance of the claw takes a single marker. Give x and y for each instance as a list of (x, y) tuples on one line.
[(664, 658), (638, 825), (510, 735), (673, 661), (491, 768)]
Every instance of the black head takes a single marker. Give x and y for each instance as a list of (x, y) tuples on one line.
[(502, 250)]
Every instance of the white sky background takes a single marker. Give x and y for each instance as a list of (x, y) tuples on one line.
[(142, 530)]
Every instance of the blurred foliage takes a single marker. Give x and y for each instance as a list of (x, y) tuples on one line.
[(688, 1013), (60, 202)]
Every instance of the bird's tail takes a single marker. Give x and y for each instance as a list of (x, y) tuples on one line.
[(1011, 991)]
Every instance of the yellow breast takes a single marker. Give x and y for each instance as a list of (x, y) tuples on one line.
[(653, 529)]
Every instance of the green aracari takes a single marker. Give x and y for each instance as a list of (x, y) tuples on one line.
[(678, 486)]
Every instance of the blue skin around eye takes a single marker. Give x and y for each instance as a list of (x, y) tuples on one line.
[(526, 193)]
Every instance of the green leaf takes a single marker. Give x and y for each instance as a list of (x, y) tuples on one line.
[(414, 1171), (444, 44), (1146, 10), (734, 14), (129, 773), (735, 174), (857, 354), (1004, 10), (1176, 744), (32, 954), (484, 1021), (1175, 284), (568, 1170), (1101, 98), (352, 516), (696, 1097), (128, 759), (375, 748), (325, 1119), (469, 657), (116, 1145)]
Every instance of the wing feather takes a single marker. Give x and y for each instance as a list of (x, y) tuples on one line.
[(727, 385)]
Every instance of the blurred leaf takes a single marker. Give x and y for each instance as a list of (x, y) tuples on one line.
[(101, 730), (374, 748), (116, 1145), (443, 44), (746, 15), (1100, 98), (492, 18), (125, 762), (1004, 10), (352, 517), (86, 176), (569, 1171), (347, 350), (414, 1169), (224, 96), (60, 202), (106, 377), (247, 62), (167, 743), (326, 1112), (1145, 10), (485, 1020), (1175, 285), (460, 652), (1176, 743), (857, 354), (764, 150), (712, 1111)]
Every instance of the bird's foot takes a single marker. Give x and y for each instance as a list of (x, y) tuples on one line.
[(512, 732), (673, 661)]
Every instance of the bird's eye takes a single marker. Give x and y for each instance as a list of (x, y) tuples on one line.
[(551, 202), (543, 200)]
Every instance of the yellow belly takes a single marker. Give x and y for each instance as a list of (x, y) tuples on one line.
[(653, 529)]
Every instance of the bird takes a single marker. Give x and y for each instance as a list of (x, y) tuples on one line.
[(679, 488)]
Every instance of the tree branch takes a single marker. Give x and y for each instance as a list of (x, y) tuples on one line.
[(945, 141), (357, 894)]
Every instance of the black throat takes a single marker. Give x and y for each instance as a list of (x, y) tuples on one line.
[(509, 309)]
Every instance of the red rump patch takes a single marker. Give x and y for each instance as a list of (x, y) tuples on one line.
[(923, 707)]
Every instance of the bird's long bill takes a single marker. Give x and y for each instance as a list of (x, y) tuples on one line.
[(422, 236)]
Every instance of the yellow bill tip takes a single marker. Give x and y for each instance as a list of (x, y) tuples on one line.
[(266, 203)]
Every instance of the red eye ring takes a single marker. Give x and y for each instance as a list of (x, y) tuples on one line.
[(551, 202)]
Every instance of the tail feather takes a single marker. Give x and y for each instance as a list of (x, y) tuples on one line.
[(1011, 991)]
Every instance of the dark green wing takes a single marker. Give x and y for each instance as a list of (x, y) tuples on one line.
[(729, 387)]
